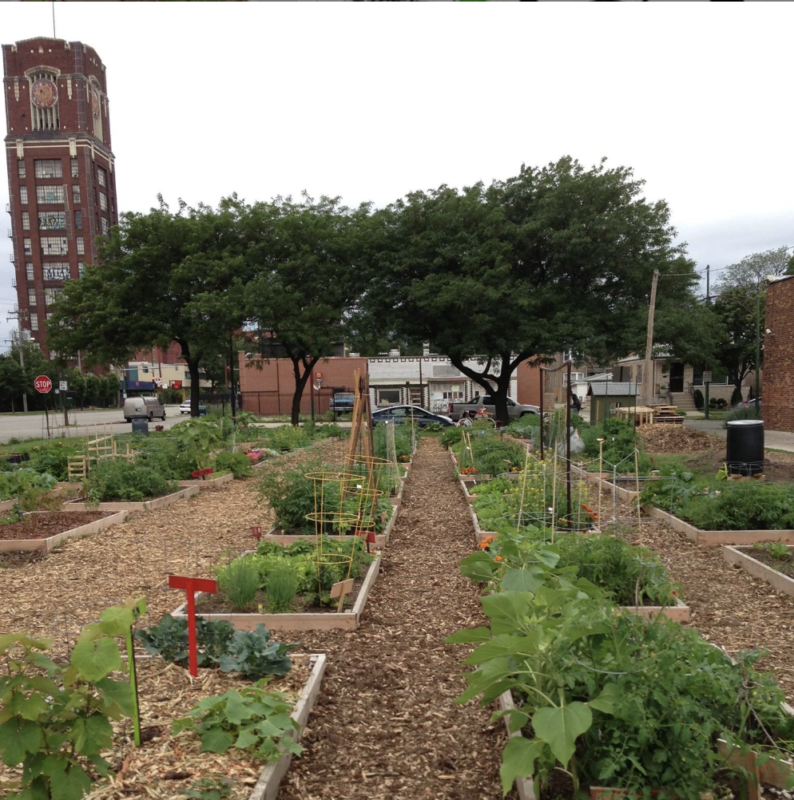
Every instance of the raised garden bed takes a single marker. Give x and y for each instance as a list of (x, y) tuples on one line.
[(128, 505), (209, 483), (294, 621), (718, 537), (760, 565), (47, 530)]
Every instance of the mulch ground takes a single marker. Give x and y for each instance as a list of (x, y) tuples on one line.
[(49, 523), (386, 725)]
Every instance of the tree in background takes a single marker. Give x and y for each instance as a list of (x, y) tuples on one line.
[(307, 279), (555, 259), (161, 277), (751, 271)]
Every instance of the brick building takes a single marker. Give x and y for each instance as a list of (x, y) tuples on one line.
[(778, 394), (61, 170)]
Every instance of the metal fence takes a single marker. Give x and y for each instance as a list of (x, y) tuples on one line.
[(275, 403)]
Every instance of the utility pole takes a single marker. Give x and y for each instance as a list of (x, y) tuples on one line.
[(708, 286), (647, 381), (18, 314), (758, 343)]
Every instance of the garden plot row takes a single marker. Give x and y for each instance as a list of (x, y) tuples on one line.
[(558, 644)]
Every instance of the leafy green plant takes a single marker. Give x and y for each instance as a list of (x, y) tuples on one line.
[(119, 479), (777, 550), (282, 586), (199, 437), (209, 789), (254, 719), (237, 463), (53, 459), (254, 655), (239, 581), (55, 719), (27, 486), (288, 438), (743, 506)]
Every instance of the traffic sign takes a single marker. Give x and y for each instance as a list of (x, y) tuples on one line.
[(42, 384), (63, 386), (706, 376)]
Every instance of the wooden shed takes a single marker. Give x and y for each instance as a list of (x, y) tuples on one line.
[(606, 396)]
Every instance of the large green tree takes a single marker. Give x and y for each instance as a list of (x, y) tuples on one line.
[(307, 279), (160, 277), (555, 259)]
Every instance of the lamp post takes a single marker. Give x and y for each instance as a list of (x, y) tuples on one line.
[(758, 342)]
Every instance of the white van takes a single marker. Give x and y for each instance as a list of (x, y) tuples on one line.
[(143, 408)]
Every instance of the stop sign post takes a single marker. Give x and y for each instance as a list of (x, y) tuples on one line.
[(43, 385)]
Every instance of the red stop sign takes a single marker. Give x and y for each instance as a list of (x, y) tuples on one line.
[(42, 384)]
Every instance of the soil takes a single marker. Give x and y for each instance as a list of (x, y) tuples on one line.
[(42, 525), (785, 567), (218, 604), (673, 439)]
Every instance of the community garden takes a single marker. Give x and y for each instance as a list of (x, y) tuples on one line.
[(349, 580)]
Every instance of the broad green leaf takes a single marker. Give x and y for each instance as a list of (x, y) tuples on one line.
[(92, 734), (72, 786), (610, 697), (27, 707), (522, 580), (97, 659), (236, 710), (246, 739), (291, 746), (18, 737), (509, 612), (118, 692), (560, 727), (216, 741), (518, 760), (472, 636), (35, 791), (9, 639), (548, 556)]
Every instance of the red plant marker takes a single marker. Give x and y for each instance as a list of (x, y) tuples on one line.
[(371, 537), (256, 532), (191, 586)]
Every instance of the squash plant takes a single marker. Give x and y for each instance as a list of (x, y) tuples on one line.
[(55, 719)]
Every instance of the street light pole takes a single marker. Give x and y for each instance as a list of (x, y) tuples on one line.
[(758, 342)]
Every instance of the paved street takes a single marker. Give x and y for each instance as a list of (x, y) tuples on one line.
[(81, 423)]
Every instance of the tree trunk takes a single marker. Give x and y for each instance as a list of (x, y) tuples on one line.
[(195, 389), (300, 384)]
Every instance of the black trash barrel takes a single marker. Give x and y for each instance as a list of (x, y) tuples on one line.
[(140, 426), (745, 451)]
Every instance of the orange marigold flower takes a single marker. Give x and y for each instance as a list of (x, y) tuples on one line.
[(498, 558)]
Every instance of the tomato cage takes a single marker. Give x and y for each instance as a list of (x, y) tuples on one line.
[(330, 516), (377, 474)]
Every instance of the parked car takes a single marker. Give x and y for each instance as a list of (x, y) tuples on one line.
[(514, 410), (400, 414), (342, 402), (185, 409), (143, 408)]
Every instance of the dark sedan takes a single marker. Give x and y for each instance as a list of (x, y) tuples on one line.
[(400, 414)]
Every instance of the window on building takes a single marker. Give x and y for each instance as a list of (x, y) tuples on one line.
[(81, 269), (80, 245), (54, 245), (23, 195), (101, 176), (27, 247), (29, 270), (76, 194), (78, 220), (104, 226), (52, 220), (34, 322), (50, 194), (31, 297), (21, 171), (56, 271), (48, 168), (388, 397), (103, 201), (51, 294), (25, 221), (75, 169)]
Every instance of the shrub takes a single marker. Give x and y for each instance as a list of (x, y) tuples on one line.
[(743, 412), (743, 506), (119, 479), (291, 495), (713, 402), (239, 581), (722, 403), (237, 463), (288, 437), (451, 436)]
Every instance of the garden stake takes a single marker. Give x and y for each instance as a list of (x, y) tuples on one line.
[(553, 495), (600, 471), (191, 586), (523, 488), (637, 476), (138, 609)]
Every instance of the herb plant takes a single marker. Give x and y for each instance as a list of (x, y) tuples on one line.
[(119, 479), (239, 581)]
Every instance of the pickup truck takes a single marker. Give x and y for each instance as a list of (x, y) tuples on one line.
[(514, 410)]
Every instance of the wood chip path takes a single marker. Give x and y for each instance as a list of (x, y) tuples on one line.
[(385, 725)]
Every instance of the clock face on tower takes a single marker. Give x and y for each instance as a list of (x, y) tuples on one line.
[(44, 93), (95, 107)]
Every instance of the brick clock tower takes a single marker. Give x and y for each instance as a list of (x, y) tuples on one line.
[(61, 170)]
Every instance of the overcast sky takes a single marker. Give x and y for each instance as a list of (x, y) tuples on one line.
[(371, 101)]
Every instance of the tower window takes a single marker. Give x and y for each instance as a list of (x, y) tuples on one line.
[(23, 195), (104, 226), (31, 297), (80, 245), (34, 322), (101, 176), (48, 168), (56, 271), (21, 169), (54, 245), (76, 193), (75, 169), (103, 201), (50, 194), (78, 220), (25, 221), (29, 270), (52, 220), (51, 295), (27, 247)]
